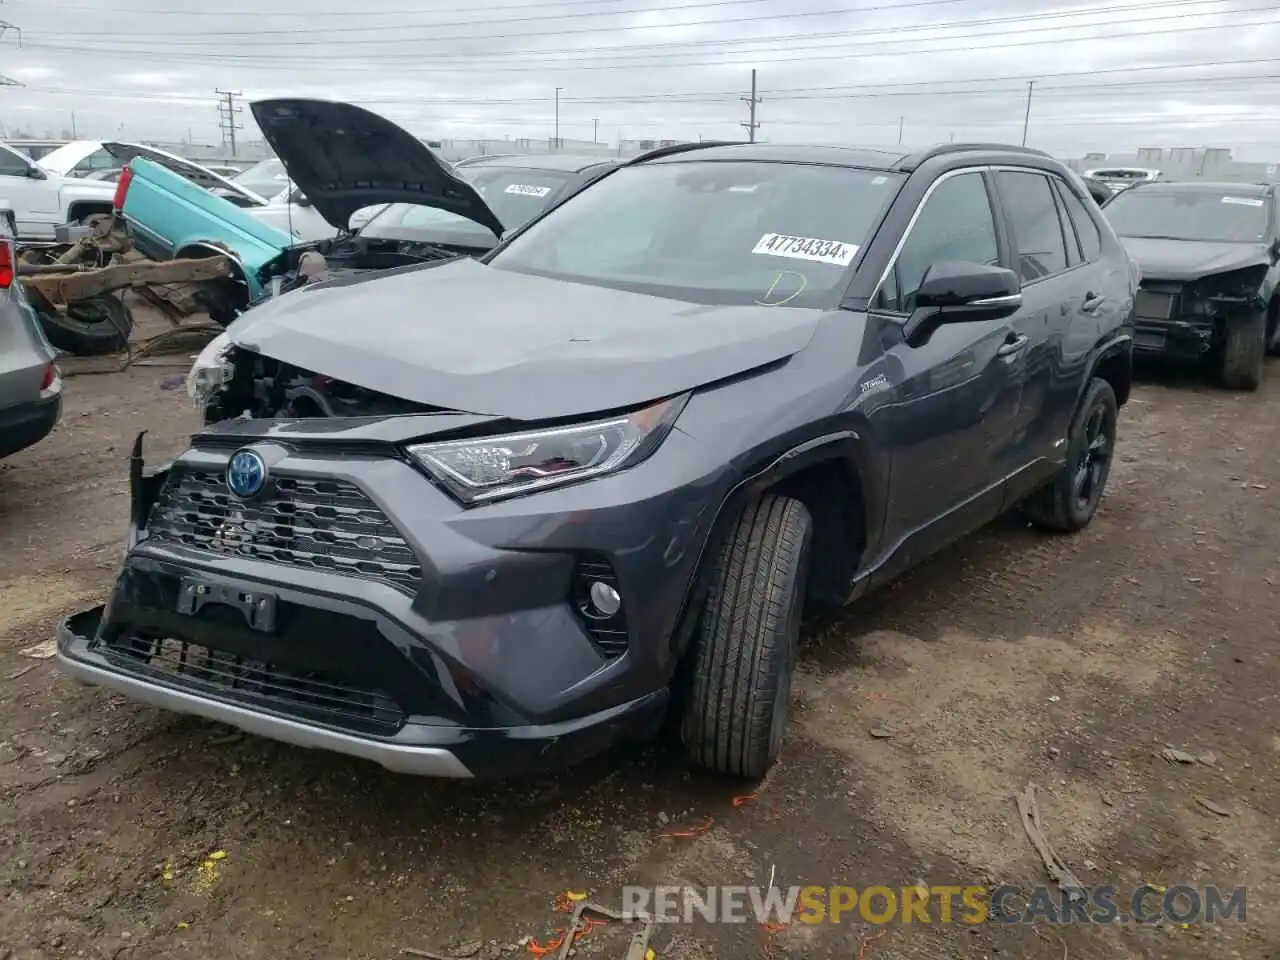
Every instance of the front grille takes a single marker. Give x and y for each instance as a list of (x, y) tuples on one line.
[(1154, 304), (328, 525), (307, 694)]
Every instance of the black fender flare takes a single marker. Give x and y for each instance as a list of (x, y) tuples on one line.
[(846, 446), (1119, 345)]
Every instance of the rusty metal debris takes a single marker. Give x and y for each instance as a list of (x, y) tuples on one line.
[(84, 278)]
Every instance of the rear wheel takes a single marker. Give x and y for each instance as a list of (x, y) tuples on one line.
[(1243, 350), (737, 707), (1071, 499)]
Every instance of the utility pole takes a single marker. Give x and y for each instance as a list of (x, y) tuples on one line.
[(73, 126), (752, 124), (595, 130), (1026, 117), (557, 139), (901, 121), (5, 27), (227, 111)]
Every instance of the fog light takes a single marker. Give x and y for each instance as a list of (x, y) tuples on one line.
[(605, 599)]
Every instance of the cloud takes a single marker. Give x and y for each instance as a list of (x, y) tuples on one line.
[(1107, 76)]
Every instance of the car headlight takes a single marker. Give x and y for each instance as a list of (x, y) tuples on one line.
[(210, 371), (487, 468)]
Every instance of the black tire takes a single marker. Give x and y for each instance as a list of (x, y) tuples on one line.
[(737, 705), (1069, 502), (1243, 350), (90, 328), (1273, 328)]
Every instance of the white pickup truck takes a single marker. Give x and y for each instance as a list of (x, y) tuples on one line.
[(41, 200)]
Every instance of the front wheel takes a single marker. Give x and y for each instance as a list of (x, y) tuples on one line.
[(738, 705), (1243, 351), (1071, 499)]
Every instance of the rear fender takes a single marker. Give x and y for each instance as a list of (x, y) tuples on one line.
[(1113, 360)]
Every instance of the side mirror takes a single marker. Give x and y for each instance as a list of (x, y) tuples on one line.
[(35, 173), (961, 292)]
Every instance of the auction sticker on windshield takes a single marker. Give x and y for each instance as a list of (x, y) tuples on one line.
[(806, 248), (527, 190), (1244, 201)]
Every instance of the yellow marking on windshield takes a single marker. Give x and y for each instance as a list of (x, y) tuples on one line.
[(766, 302)]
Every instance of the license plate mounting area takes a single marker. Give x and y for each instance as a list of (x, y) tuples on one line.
[(258, 607)]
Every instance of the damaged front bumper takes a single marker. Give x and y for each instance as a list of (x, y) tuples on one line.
[(358, 609), (1174, 320)]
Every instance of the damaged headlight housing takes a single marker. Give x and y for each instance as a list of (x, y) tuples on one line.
[(1243, 284), (489, 468), (211, 370)]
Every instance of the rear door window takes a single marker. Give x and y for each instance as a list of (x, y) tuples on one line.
[(1033, 217), (1086, 227)]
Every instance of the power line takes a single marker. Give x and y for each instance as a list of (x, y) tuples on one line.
[(399, 30), (891, 35), (227, 111), (918, 88), (415, 63)]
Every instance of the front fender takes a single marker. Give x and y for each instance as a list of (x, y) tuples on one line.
[(848, 448)]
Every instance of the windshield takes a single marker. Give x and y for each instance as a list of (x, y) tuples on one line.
[(780, 234), (267, 178), (514, 195), (1188, 215)]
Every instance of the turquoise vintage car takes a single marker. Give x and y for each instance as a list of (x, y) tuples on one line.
[(169, 217)]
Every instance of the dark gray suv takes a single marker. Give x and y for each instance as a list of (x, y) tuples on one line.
[(485, 517)]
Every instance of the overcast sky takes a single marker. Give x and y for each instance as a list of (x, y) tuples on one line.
[(1108, 76)]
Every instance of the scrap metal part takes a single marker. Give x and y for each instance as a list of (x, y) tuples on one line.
[(60, 284)]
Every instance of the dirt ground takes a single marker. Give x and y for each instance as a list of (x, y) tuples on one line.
[(1067, 662)]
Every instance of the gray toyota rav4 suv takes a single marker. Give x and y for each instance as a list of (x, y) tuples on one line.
[(485, 517)]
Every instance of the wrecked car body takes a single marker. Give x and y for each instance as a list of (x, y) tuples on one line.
[(1210, 260)]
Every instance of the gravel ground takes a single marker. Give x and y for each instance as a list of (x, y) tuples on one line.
[(1068, 662)]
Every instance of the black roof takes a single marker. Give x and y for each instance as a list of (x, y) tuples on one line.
[(573, 163), (896, 158)]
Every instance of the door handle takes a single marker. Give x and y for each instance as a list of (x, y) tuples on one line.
[(1010, 347), (1092, 302)]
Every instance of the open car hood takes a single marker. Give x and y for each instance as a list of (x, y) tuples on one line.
[(200, 176), (344, 158)]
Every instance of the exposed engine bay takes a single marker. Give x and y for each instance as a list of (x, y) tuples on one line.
[(258, 387), (349, 255)]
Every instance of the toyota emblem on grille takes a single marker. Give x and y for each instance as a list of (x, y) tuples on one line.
[(246, 474)]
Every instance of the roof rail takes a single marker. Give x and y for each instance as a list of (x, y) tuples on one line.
[(911, 162), (659, 152)]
